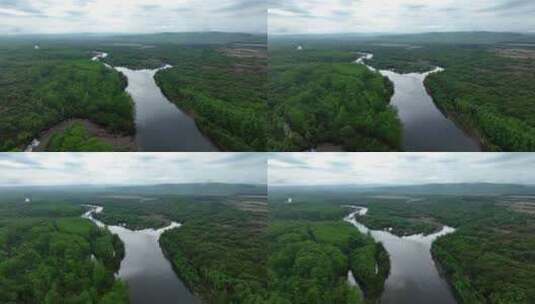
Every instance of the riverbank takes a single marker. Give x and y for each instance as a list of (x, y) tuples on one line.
[(211, 134), (487, 92), (412, 265), (145, 267), (425, 126), (39, 94), (322, 97), (462, 121), (120, 143), (220, 252), (160, 125)]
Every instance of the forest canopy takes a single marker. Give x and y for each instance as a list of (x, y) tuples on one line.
[(320, 97), (41, 88), (49, 254)]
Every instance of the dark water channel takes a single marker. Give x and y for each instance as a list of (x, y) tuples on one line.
[(149, 275), (425, 127), (160, 125), (414, 278)]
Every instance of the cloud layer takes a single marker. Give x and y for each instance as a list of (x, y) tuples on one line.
[(400, 16), (285, 16), (19, 169), (138, 16), (400, 168)]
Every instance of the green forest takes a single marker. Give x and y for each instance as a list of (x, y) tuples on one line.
[(219, 79), (489, 246), (312, 249), (240, 249), (49, 254), (237, 249), (487, 86), (220, 250), (492, 242), (222, 254), (77, 139), (489, 90), (225, 93), (320, 97), (41, 88)]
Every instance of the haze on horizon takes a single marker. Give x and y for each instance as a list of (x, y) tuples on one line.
[(57, 169), (305, 169), (133, 16), (399, 16)]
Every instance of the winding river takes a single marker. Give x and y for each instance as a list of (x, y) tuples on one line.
[(160, 125), (414, 278), (425, 127), (149, 275)]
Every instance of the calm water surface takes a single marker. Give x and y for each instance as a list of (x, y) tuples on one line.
[(160, 125), (149, 275), (414, 278), (425, 128)]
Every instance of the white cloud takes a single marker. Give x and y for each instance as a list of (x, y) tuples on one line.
[(130, 168), (139, 16), (400, 168), (400, 16)]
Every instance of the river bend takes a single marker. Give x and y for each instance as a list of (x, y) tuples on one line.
[(148, 274), (414, 278), (425, 127)]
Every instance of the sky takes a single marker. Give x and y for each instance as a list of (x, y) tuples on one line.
[(400, 168), (399, 16), (47, 169), (131, 16)]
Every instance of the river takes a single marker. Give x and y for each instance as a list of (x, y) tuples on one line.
[(414, 278), (160, 125), (425, 127), (149, 275)]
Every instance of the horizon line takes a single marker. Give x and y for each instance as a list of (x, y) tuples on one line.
[(133, 185), (131, 33), (399, 33), (375, 185)]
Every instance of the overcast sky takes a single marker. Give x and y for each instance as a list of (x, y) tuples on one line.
[(19, 169), (400, 16), (75, 16), (400, 168)]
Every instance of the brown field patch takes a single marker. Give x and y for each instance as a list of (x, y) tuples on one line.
[(517, 53), (122, 143), (524, 207)]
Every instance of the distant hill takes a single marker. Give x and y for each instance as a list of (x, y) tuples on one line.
[(459, 189), (193, 38), (160, 189), (460, 38), (194, 189), (185, 38), (449, 189), (420, 38)]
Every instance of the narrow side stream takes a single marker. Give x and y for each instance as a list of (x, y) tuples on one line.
[(414, 278), (149, 275), (425, 127)]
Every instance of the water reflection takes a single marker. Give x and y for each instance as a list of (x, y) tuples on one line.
[(160, 125), (425, 128), (148, 273), (414, 278)]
